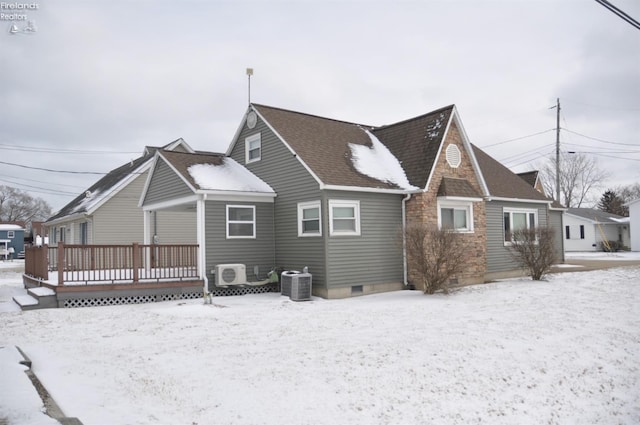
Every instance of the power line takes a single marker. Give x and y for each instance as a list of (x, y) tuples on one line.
[(518, 138), (39, 181), (620, 13), (50, 191), (64, 151), (52, 171), (600, 140)]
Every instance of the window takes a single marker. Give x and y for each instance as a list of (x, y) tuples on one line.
[(517, 219), (54, 235), (567, 232), (344, 217), (83, 233), (63, 234), (11, 234), (455, 215), (309, 221), (241, 221), (253, 148)]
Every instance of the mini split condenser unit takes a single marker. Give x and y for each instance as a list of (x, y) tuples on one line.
[(231, 274)]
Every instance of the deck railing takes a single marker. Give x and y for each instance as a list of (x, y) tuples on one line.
[(113, 263)]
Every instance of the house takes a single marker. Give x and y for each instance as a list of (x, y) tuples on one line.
[(108, 211), (11, 240), (634, 224), (587, 229), (334, 196)]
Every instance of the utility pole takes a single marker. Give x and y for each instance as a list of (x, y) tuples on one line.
[(558, 150)]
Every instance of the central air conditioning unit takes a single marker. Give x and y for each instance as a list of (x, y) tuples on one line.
[(231, 274), (296, 285)]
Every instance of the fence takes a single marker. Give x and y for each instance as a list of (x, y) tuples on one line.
[(112, 263)]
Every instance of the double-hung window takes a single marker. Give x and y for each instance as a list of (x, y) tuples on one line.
[(309, 219), (517, 219), (241, 221), (456, 216), (253, 148), (11, 234), (344, 217)]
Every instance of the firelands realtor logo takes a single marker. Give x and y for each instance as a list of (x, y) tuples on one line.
[(18, 16)]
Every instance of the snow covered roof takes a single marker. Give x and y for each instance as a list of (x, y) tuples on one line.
[(379, 163), (215, 172), (117, 178), (10, 227), (594, 215)]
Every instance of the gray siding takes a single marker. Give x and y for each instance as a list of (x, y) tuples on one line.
[(376, 255), (555, 221), (250, 252), (120, 220), (165, 185), (499, 258), (176, 227), (293, 184)]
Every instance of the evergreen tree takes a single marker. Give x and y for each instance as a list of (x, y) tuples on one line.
[(612, 203)]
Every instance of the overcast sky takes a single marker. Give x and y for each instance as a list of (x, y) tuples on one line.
[(108, 78)]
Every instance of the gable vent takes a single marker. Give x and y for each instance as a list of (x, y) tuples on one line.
[(454, 158)]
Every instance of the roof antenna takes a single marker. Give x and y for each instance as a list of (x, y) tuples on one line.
[(249, 74)]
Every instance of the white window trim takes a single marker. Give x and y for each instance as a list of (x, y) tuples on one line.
[(247, 144), (11, 234), (457, 205), (304, 206), (356, 211), (517, 210), (253, 222)]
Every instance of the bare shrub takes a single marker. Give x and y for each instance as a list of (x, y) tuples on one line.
[(534, 250), (436, 255)]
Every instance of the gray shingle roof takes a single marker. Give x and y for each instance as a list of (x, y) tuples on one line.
[(595, 215), (415, 142), (457, 187), (323, 144), (502, 182)]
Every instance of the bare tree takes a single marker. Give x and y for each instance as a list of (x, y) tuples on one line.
[(534, 250), (435, 255), (17, 205), (579, 175)]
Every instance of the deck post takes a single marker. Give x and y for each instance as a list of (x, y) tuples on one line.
[(60, 263), (136, 261)]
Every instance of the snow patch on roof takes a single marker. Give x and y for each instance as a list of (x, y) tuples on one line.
[(229, 176), (10, 227), (379, 163), (89, 201)]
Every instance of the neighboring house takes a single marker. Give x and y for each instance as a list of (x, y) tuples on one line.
[(11, 240), (533, 179), (108, 212), (339, 194), (634, 224), (586, 229)]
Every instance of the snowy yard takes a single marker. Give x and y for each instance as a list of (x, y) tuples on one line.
[(562, 351)]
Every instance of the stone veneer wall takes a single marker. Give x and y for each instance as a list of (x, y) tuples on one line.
[(422, 208)]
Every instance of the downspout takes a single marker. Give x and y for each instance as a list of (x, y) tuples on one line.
[(201, 237), (404, 239)]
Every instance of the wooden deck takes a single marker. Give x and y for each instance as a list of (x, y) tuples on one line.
[(91, 275)]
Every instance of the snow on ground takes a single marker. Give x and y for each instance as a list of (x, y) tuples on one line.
[(562, 351), (599, 255)]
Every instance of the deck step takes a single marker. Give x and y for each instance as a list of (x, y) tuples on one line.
[(26, 302), (41, 291)]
